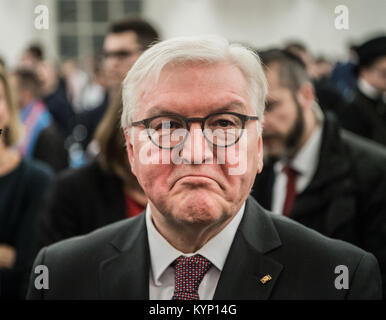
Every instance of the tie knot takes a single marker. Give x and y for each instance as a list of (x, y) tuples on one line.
[(189, 273), (290, 171)]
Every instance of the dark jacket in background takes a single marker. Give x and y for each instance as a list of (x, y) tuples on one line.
[(50, 149), (81, 200), (346, 198), (114, 262), (90, 120), (366, 117), (61, 109), (21, 197)]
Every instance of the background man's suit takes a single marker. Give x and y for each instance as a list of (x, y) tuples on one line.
[(346, 197), (113, 263)]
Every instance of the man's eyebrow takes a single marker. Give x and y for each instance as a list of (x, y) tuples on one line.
[(158, 110), (232, 106)]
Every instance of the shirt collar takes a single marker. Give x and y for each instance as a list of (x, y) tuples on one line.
[(24, 112), (306, 160), (368, 90), (162, 253)]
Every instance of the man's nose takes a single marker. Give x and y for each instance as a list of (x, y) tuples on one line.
[(196, 149)]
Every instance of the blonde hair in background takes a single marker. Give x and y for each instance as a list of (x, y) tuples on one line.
[(111, 142), (11, 133)]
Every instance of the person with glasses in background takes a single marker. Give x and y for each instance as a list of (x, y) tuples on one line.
[(124, 43), (192, 115)]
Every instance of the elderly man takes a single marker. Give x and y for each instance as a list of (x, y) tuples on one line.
[(192, 117)]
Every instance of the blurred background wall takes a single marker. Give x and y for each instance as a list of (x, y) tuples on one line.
[(76, 28)]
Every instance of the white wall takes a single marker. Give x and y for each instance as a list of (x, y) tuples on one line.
[(260, 23), (265, 23), (17, 29)]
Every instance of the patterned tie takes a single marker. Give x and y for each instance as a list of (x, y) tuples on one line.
[(189, 273), (291, 189)]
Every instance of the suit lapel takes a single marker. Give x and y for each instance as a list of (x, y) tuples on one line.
[(247, 265), (332, 167), (125, 274), (263, 187)]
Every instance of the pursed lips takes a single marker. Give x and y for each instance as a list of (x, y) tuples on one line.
[(198, 177)]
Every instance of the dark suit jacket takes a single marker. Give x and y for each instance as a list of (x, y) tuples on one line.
[(346, 197), (80, 201), (50, 149), (113, 263), (366, 117)]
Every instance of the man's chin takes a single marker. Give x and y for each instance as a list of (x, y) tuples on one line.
[(197, 210)]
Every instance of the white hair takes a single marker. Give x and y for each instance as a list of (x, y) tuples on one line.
[(206, 49)]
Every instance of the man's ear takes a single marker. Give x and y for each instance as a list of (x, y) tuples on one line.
[(306, 95), (129, 148)]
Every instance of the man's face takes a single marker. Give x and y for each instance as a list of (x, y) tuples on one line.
[(375, 75), (200, 193), (121, 50), (284, 122)]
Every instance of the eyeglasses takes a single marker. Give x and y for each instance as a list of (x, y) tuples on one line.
[(120, 54), (220, 129)]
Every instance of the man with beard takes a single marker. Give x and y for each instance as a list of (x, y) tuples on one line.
[(314, 172)]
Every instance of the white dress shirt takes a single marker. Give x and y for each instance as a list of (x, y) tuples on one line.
[(368, 90), (305, 163), (162, 254)]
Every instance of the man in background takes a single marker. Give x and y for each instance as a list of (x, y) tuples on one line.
[(315, 173), (124, 43), (366, 114), (41, 140)]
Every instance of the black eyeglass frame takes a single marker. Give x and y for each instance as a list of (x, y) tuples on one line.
[(244, 118)]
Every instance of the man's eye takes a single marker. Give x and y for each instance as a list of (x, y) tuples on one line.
[(168, 125), (269, 106), (224, 123)]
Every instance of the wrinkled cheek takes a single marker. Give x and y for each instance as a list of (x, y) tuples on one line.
[(234, 158)]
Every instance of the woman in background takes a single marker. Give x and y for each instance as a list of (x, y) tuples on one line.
[(22, 187), (102, 192)]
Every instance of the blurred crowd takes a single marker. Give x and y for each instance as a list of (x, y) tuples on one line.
[(64, 170)]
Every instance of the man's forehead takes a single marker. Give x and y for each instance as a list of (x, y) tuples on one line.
[(272, 73), (121, 39), (233, 106)]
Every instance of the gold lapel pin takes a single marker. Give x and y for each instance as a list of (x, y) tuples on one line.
[(265, 279)]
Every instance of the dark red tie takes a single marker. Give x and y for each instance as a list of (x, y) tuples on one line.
[(291, 189), (189, 273)]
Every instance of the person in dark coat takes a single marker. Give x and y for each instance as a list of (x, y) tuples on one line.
[(366, 113), (338, 179), (23, 183), (103, 191)]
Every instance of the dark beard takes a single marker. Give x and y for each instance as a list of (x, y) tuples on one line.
[(295, 135), (292, 141)]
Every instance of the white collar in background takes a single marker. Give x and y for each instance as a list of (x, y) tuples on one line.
[(306, 160), (368, 90), (162, 253)]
